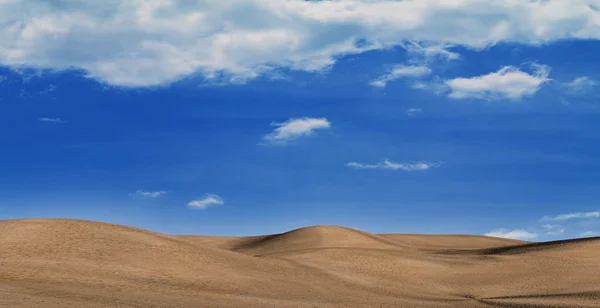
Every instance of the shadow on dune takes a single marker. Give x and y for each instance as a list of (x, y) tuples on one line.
[(524, 248)]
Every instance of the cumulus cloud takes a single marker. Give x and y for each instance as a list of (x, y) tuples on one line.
[(578, 215), (517, 234), (295, 128), (53, 120), (149, 194), (387, 164), (509, 82), (413, 111), (161, 41), (589, 234), (580, 85), (206, 201), (400, 71)]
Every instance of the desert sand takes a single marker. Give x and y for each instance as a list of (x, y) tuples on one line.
[(74, 263)]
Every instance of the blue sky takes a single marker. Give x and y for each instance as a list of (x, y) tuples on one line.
[(462, 117)]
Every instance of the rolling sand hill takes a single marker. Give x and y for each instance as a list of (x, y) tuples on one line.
[(72, 263)]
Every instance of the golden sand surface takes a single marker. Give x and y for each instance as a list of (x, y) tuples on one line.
[(73, 263)]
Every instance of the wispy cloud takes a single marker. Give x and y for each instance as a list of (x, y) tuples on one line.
[(556, 232), (550, 227), (517, 234), (580, 85), (206, 201), (589, 234), (149, 194), (436, 85), (53, 120), (509, 82), (295, 128), (400, 71), (578, 215), (387, 164), (424, 53), (553, 229), (50, 88), (413, 111)]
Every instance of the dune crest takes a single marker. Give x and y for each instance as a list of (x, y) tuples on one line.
[(458, 241), (589, 246), (314, 237)]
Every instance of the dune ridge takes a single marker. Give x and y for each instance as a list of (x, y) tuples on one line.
[(76, 263), (314, 237), (568, 246), (462, 241)]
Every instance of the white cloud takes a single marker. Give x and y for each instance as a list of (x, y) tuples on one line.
[(49, 89), (400, 71), (589, 234), (295, 128), (509, 82), (206, 201), (386, 164), (577, 215), (53, 120), (436, 85), (553, 229), (413, 111), (517, 234), (556, 232), (550, 227), (580, 85), (150, 194), (161, 41), (422, 53)]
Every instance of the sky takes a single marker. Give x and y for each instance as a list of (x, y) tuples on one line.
[(247, 117)]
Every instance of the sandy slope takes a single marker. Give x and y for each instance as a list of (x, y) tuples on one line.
[(450, 241), (70, 263)]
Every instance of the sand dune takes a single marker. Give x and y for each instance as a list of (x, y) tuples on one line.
[(450, 241), (575, 247), (72, 263), (318, 237)]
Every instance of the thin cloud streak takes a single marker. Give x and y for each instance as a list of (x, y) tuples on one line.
[(53, 120), (387, 164), (556, 232), (295, 128), (517, 234), (578, 215), (400, 71), (580, 85), (206, 201), (150, 194), (413, 111), (589, 234)]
